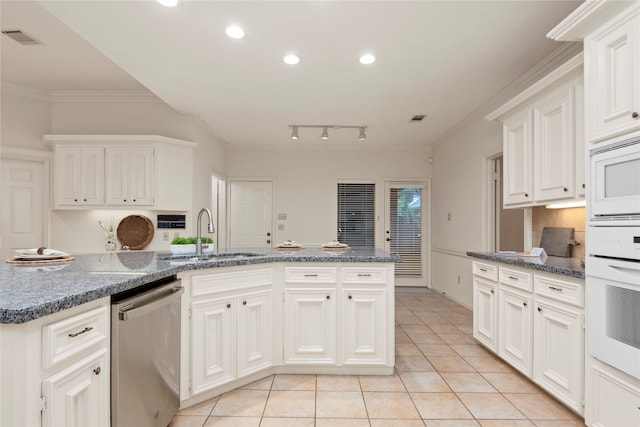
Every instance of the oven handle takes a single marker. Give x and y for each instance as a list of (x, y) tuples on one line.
[(174, 292), (627, 271)]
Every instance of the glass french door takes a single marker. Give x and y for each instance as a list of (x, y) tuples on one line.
[(405, 229)]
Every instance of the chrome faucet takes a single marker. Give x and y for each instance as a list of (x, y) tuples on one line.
[(210, 229)]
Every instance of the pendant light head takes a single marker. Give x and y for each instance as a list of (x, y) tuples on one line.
[(294, 133), (362, 136), (325, 133)]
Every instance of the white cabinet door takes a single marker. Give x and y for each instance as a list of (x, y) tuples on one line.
[(612, 397), (485, 314), (129, 176), (254, 332), (364, 331), (515, 328), (79, 175), (553, 142), (79, 394), (310, 326), (212, 335), (517, 152), (559, 351), (612, 67)]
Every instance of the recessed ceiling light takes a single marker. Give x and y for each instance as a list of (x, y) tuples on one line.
[(235, 32), (367, 59), (168, 3), (291, 59)]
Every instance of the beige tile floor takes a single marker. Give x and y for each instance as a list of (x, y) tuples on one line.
[(442, 378)]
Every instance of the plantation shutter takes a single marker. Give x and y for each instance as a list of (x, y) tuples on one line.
[(405, 229), (356, 214)]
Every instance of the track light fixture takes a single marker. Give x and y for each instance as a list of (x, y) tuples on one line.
[(325, 130)]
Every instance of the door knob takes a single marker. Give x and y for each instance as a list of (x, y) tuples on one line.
[(268, 241), (268, 234), (388, 239)]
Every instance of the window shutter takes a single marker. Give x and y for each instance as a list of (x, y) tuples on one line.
[(356, 214)]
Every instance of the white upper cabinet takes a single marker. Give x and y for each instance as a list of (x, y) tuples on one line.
[(79, 176), (517, 152), (612, 71), (554, 141), (129, 176), (121, 171), (543, 146)]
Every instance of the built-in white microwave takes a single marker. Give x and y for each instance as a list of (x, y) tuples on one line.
[(615, 181)]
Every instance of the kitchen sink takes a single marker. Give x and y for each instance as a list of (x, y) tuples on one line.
[(208, 257)]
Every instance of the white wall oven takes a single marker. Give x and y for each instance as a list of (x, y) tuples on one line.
[(613, 262)]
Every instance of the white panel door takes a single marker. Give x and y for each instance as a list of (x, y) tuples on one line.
[(515, 329), (485, 313), (364, 332), (405, 229), (22, 206), (517, 152), (250, 212)]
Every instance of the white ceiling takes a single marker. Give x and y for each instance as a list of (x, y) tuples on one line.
[(439, 58)]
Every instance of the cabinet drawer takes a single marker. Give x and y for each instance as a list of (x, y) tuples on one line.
[(488, 271), (516, 278), (310, 274), (67, 338), (559, 290), (230, 280), (364, 275)]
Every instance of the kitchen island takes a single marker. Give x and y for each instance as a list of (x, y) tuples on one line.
[(245, 314)]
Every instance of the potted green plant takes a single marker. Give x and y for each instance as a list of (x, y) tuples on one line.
[(187, 245)]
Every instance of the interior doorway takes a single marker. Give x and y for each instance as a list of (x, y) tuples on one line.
[(507, 224)]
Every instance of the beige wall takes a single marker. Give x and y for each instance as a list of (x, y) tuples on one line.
[(305, 181)]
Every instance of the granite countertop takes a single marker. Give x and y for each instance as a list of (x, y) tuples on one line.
[(572, 267), (31, 291)]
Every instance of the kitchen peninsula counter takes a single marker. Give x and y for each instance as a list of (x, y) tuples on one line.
[(571, 267), (31, 291)]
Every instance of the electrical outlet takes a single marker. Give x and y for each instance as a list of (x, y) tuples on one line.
[(280, 227), (458, 279), (449, 216), (165, 236), (176, 234)]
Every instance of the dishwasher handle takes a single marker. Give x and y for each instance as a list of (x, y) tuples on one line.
[(161, 299)]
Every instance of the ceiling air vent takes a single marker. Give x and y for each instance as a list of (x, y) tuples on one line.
[(21, 37), (418, 118)]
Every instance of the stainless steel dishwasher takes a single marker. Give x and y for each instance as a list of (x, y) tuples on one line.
[(145, 354)]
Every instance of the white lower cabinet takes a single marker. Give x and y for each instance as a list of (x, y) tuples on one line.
[(613, 397), (515, 328), (485, 313), (231, 326), (540, 324), (559, 351), (310, 326), (76, 395), (55, 370), (364, 338)]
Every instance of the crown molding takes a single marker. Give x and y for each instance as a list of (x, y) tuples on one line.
[(50, 140), (588, 17), (563, 70), (361, 147), (26, 92), (123, 96), (200, 122)]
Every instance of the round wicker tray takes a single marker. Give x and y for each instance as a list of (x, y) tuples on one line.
[(135, 231)]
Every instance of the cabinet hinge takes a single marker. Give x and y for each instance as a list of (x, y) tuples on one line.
[(190, 386), (43, 403), (582, 402), (189, 313)]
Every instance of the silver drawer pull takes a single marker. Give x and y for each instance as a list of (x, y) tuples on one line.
[(483, 269), (75, 334), (513, 278), (553, 288), (310, 275), (364, 275)]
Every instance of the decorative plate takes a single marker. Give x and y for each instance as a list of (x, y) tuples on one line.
[(135, 231)]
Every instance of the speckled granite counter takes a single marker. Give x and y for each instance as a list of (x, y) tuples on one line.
[(571, 267), (31, 291)]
